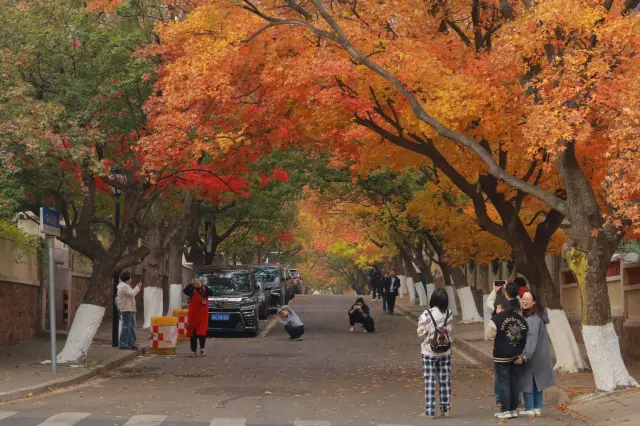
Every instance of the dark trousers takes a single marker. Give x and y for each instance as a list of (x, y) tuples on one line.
[(506, 375), (194, 341), (294, 331), (367, 322), (391, 301), (496, 387)]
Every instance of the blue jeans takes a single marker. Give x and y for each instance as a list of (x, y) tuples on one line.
[(496, 386), (128, 334), (533, 399), (384, 302)]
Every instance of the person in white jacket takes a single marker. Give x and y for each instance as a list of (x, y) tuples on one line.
[(127, 308)]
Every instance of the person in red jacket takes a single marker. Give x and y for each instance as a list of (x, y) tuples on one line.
[(522, 286), (198, 318)]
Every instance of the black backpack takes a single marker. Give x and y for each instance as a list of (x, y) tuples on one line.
[(440, 342)]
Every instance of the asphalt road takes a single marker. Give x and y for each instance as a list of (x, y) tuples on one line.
[(331, 378)]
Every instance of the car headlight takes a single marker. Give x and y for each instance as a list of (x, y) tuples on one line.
[(248, 307)]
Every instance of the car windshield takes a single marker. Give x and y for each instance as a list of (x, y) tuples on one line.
[(294, 273), (227, 282), (266, 275)]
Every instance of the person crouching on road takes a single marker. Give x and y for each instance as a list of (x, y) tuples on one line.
[(198, 317), (292, 323), (537, 369), (359, 313), (127, 307), (509, 329), (434, 326)]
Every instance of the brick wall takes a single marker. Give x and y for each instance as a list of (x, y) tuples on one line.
[(18, 312)]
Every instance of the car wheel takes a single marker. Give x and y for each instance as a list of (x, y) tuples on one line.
[(264, 312), (256, 332)]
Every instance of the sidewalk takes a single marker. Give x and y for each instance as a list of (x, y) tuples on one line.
[(574, 392), (22, 374)]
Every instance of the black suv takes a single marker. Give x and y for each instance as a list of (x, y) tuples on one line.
[(237, 300), (276, 284)]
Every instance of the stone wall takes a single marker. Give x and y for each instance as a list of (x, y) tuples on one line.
[(18, 312)]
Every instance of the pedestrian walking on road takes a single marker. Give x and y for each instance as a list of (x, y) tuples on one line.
[(292, 323), (391, 291), (434, 326), (375, 282), (536, 372), (359, 313), (198, 317), (127, 307), (386, 283), (509, 329)]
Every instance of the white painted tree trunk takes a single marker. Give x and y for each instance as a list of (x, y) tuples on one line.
[(487, 314), (152, 304), (568, 356), (175, 298), (422, 294), (468, 305), (603, 349), (430, 289), (453, 306), (403, 285), (85, 325), (411, 289)]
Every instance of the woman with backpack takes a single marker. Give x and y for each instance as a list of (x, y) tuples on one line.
[(434, 326)]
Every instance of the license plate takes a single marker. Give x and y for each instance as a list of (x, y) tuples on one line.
[(219, 317)]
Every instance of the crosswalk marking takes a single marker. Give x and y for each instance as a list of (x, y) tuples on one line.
[(64, 419), (7, 414), (145, 420), (71, 419), (228, 422)]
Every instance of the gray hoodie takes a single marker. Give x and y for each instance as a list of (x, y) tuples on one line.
[(292, 319), (537, 351)]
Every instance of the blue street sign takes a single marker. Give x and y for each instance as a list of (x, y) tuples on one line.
[(49, 222)]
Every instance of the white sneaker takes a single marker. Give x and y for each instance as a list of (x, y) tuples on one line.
[(503, 415), (527, 413), (192, 354), (202, 353), (351, 330), (514, 414), (538, 412)]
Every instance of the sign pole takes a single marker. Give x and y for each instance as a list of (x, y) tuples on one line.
[(52, 303), (50, 226)]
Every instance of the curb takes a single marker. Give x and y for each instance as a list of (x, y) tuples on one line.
[(271, 322), (108, 365)]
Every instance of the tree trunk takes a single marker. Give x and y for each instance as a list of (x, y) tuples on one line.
[(153, 278), (90, 312), (467, 301), (176, 250), (588, 253), (534, 267)]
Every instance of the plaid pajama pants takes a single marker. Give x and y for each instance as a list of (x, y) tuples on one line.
[(439, 366)]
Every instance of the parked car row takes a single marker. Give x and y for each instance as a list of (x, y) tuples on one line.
[(243, 295)]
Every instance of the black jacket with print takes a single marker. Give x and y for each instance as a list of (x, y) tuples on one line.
[(511, 335)]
